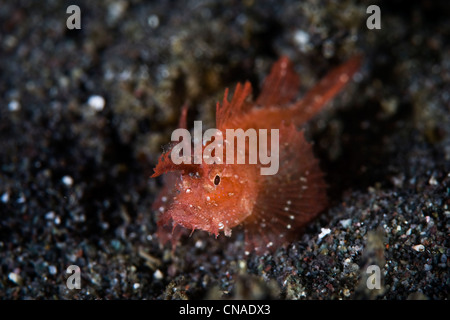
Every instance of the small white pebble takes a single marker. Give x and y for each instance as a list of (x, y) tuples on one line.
[(116, 10), (324, 232), (5, 197), (136, 286), (50, 215), (347, 292), (96, 102), (199, 244), (345, 223), (158, 275), (67, 180), (21, 199), (14, 277), (153, 21), (14, 105), (52, 269), (433, 181), (57, 220), (301, 39), (419, 248), (347, 262)]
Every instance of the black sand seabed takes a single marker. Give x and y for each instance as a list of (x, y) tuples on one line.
[(74, 186)]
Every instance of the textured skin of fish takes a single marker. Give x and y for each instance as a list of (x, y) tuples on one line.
[(273, 209)]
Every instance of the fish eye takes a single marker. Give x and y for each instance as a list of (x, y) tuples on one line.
[(217, 180)]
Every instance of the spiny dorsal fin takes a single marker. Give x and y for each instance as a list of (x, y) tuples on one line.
[(281, 86), (238, 105)]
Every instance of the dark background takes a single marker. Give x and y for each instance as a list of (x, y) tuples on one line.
[(74, 181)]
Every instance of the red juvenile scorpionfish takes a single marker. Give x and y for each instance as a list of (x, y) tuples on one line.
[(272, 209)]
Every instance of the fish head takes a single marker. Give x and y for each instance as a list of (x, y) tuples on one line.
[(211, 197)]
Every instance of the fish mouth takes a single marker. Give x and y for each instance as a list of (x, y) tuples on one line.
[(193, 220)]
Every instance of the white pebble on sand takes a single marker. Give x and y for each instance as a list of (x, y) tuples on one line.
[(158, 275), (324, 232), (96, 102), (67, 180), (14, 105)]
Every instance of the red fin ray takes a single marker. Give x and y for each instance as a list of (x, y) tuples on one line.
[(238, 105), (166, 165), (182, 123), (328, 87), (281, 86), (170, 232), (298, 112), (289, 199)]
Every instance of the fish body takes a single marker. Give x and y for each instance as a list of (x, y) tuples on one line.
[(273, 209)]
